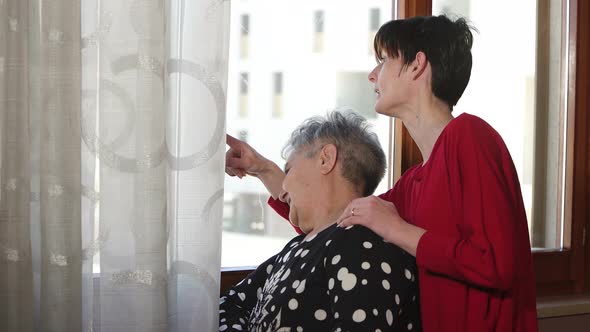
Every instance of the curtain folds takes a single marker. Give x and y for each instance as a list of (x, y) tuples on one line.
[(111, 167)]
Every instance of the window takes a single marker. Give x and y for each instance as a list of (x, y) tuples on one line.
[(318, 31), (352, 91), (374, 19), (243, 135), (277, 107), (374, 24), (244, 86), (245, 31), (560, 270), (281, 83)]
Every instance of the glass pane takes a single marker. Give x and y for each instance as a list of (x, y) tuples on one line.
[(297, 59), (517, 86)]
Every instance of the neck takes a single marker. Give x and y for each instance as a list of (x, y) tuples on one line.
[(425, 122), (323, 216)]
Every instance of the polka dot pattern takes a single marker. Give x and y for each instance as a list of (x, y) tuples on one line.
[(313, 285), (293, 304), (389, 317), (320, 314), (301, 287), (359, 315), (386, 284), (408, 274), (335, 259), (348, 279)]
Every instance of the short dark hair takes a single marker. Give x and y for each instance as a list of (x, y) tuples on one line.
[(446, 44), (362, 160)]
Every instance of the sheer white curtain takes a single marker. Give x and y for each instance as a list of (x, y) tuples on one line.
[(111, 167)]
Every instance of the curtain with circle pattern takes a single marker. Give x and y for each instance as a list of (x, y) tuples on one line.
[(112, 130)]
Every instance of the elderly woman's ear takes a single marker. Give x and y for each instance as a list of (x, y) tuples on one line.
[(328, 158)]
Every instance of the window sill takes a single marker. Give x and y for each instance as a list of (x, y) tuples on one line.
[(557, 306), (232, 275), (237, 268)]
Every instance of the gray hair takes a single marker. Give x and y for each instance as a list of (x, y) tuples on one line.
[(361, 157)]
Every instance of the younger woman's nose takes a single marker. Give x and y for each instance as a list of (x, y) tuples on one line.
[(373, 75)]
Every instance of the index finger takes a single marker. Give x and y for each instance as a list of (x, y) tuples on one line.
[(232, 141)]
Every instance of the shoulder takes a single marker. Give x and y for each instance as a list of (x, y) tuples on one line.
[(467, 120), (361, 242), (400, 185), (294, 241), (476, 153), (471, 135), (359, 251), (468, 126), (352, 234), (408, 174)]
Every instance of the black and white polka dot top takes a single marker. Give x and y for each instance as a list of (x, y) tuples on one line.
[(340, 280)]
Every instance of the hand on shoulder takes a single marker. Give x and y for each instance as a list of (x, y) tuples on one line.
[(375, 213), (382, 217)]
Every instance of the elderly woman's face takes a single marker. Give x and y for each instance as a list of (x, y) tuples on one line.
[(301, 180)]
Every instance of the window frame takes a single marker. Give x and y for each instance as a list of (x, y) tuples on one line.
[(557, 271)]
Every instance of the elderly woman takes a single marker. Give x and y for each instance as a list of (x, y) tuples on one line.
[(328, 278)]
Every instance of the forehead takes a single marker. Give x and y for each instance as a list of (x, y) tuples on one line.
[(298, 153), (383, 50), (295, 154), (291, 157)]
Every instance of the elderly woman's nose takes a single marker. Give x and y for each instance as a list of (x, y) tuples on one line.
[(284, 197)]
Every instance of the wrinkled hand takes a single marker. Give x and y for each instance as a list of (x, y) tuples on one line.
[(375, 213), (241, 159)]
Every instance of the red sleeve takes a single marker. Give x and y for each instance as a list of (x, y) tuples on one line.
[(485, 182), (282, 209)]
